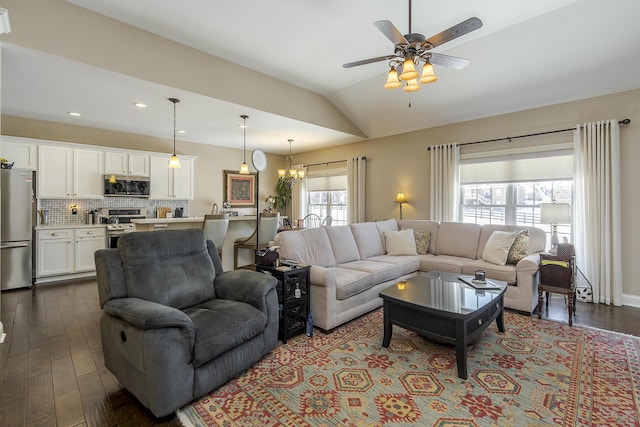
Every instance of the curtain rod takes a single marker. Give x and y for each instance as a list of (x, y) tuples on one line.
[(509, 138), (330, 163)]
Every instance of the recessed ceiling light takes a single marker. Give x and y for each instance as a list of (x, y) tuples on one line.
[(73, 113), (140, 105), (182, 131)]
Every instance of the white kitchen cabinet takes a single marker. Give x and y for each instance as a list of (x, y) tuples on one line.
[(22, 154), (67, 253), (55, 172), (167, 183), (120, 163), (54, 252), (87, 241), (88, 174), (70, 173)]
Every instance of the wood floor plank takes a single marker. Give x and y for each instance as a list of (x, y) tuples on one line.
[(69, 411), (40, 400), (98, 411), (39, 359), (83, 363), (12, 414), (64, 376)]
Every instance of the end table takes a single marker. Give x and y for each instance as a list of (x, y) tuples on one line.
[(294, 296)]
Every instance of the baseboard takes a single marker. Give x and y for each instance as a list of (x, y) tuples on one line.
[(2, 334), (631, 300)]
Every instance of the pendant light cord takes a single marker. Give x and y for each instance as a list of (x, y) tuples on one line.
[(244, 138), (174, 128)]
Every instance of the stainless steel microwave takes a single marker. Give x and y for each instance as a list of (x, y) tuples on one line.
[(126, 186)]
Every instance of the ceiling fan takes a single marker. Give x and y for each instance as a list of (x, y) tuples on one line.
[(414, 50)]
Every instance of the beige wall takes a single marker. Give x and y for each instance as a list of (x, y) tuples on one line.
[(401, 162)]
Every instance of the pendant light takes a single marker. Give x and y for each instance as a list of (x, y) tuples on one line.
[(244, 169), (174, 161)]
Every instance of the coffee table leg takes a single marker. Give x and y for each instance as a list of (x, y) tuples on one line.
[(461, 357), (500, 318), (387, 325)]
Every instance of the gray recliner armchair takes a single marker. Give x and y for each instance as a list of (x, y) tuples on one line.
[(174, 326)]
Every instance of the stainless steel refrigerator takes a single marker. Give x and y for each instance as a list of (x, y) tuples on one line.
[(16, 216)]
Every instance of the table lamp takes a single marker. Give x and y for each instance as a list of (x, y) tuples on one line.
[(554, 214), (400, 198)]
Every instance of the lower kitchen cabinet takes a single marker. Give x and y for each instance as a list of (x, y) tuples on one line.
[(67, 253)]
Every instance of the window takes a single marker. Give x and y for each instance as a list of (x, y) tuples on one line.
[(508, 186), (327, 196)]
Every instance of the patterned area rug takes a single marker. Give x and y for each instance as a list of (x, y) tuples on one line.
[(536, 373)]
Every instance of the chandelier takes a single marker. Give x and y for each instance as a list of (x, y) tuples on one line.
[(291, 176)]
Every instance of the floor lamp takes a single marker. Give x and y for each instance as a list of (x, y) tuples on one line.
[(554, 214), (400, 198), (259, 160)]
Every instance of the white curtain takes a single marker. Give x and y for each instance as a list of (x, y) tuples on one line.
[(444, 182), (356, 175), (597, 208), (298, 200)]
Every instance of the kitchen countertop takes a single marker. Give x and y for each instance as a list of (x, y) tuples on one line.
[(187, 219)]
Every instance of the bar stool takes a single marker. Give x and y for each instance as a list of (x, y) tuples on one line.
[(268, 226), (215, 229)]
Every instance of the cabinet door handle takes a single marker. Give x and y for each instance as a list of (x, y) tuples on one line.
[(54, 234), (89, 232)]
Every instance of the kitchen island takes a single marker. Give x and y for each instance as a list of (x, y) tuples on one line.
[(239, 226)]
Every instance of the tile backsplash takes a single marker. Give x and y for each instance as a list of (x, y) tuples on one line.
[(59, 210)]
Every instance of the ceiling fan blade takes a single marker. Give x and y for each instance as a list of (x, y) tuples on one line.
[(456, 31), (392, 33), (368, 61), (449, 61)]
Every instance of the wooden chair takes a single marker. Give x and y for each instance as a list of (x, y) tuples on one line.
[(215, 229), (311, 221), (557, 274), (268, 227), (327, 220)]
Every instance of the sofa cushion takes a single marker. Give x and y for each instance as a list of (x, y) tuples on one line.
[(368, 239), (310, 246), (350, 282), (379, 271), (170, 267), (520, 247), (458, 239), (343, 244), (221, 325), (497, 248), (422, 239), (507, 272), (400, 242), (386, 225), (406, 263), (452, 264)]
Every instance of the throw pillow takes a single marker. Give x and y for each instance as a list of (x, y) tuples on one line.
[(497, 248), (400, 242), (422, 238), (520, 247)]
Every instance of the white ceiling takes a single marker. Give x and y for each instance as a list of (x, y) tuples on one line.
[(527, 54)]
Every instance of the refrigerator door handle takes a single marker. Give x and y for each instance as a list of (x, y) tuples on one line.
[(14, 245)]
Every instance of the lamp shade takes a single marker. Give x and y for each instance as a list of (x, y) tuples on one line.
[(428, 76), (392, 80), (400, 198), (555, 213), (408, 70), (411, 86)]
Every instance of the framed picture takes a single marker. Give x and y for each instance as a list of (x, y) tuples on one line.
[(239, 189)]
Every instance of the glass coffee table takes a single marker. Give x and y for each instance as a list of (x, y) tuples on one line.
[(444, 308)]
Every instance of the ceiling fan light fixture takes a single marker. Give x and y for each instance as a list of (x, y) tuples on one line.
[(408, 70), (411, 86), (428, 76), (392, 80)]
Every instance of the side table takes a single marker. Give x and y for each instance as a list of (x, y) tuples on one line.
[(293, 298)]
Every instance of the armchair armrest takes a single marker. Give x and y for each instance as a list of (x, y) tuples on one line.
[(147, 314), (245, 286), (529, 263)]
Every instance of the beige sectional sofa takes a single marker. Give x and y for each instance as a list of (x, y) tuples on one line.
[(350, 264)]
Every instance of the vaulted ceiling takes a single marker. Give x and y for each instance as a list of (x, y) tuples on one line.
[(527, 54)]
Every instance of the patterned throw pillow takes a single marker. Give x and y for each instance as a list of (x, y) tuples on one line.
[(423, 238), (520, 247)]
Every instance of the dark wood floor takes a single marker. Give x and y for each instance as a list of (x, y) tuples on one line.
[(52, 370)]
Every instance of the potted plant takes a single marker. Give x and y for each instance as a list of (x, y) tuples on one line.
[(283, 198)]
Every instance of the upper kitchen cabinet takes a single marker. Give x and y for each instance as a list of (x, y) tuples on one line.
[(120, 163), (22, 154), (167, 183), (70, 173)]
